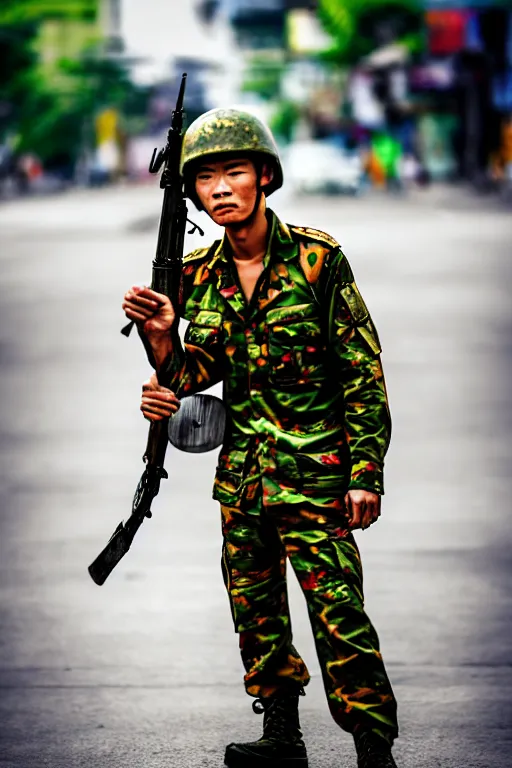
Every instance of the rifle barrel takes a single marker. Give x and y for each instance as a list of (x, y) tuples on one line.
[(181, 94)]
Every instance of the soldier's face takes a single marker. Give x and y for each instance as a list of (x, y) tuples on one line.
[(228, 189)]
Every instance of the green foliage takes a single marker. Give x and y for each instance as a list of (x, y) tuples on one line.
[(263, 77), (13, 12), (49, 106), (284, 120), (349, 22), (58, 121)]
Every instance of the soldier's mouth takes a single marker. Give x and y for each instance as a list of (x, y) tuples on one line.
[(224, 207)]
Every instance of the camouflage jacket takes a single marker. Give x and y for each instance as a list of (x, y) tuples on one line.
[(303, 384)]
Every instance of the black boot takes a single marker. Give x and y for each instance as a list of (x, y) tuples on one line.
[(373, 751), (281, 745)]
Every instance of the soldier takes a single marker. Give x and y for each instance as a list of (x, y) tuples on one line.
[(274, 313)]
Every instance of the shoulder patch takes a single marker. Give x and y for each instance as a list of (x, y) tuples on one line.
[(199, 253), (316, 235)]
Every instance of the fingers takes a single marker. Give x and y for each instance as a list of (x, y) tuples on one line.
[(151, 310), (152, 385), (372, 511), (155, 413), (139, 307), (358, 510), (354, 509), (363, 508), (348, 508), (158, 402), (155, 410), (146, 297), (148, 293)]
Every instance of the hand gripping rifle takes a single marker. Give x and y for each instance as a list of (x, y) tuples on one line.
[(199, 424)]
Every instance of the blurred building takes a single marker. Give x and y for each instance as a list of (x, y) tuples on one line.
[(465, 81), (447, 99), (110, 22), (258, 24), (65, 37), (278, 43)]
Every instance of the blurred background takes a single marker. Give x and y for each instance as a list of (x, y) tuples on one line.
[(393, 119), (380, 93)]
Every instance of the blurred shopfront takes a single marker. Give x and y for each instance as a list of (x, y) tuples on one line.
[(435, 78), (463, 88)]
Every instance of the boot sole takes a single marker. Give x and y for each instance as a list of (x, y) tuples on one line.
[(236, 759)]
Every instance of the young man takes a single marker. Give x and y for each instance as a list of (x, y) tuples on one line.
[(276, 316)]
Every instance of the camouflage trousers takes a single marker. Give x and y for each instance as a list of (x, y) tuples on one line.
[(324, 555)]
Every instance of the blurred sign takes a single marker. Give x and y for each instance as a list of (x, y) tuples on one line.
[(446, 31), (107, 152), (304, 32), (106, 125)]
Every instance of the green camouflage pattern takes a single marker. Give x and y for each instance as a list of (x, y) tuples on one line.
[(300, 366), (325, 558), (230, 130), (307, 419)]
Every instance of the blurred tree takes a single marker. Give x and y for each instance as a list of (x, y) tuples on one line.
[(54, 77), (16, 58), (359, 26), (58, 123), (284, 120), (263, 76), (14, 12)]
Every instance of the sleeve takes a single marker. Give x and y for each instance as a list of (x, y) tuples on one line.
[(356, 346), (198, 363)]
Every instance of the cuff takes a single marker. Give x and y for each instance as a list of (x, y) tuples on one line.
[(367, 476)]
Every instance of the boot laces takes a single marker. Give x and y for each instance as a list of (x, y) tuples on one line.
[(280, 721)]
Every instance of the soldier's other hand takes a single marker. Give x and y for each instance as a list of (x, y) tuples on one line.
[(157, 402), (152, 311), (363, 508)]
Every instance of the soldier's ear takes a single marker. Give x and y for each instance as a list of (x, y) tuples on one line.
[(267, 174)]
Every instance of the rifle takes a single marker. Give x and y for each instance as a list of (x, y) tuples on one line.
[(167, 267)]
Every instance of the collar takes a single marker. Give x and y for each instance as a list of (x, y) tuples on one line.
[(280, 240)]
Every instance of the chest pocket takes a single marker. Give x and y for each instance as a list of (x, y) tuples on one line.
[(296, 346), (204, 329)]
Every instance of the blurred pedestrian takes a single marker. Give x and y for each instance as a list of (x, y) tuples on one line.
[(275, 314)]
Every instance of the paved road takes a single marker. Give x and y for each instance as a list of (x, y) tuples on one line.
[(145, 670)]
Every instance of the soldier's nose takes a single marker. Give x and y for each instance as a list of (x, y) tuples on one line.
[(222, 192)]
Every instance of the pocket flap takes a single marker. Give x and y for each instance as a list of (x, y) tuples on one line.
[(208, 318), (290, 314)]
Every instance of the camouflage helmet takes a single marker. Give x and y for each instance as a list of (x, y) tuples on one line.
[(228, 131)]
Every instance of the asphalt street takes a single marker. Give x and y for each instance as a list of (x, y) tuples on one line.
[(145, 671)]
